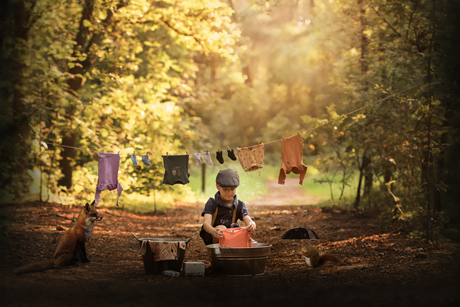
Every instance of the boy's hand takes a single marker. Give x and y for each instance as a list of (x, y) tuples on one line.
[(218, 233), (251, 227)]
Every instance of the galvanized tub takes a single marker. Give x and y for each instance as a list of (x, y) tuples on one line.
[(239, 260), (156, 267)]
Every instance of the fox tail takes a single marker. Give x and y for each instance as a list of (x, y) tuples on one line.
[(35, 267)]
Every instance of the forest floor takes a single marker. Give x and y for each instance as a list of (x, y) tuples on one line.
[(381, 267)]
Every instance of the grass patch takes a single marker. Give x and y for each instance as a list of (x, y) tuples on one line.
[(323, 191), (155, 201)]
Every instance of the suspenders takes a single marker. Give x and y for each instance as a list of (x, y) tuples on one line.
[(215, 215)]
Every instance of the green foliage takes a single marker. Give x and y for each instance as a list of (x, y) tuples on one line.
[(437, 228)]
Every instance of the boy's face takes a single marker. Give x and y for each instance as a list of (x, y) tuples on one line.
[(226, 194)]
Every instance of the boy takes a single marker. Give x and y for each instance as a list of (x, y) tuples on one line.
[(225, 202)]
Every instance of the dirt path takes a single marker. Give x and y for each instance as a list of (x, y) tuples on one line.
[(290, 193), (381, 267)]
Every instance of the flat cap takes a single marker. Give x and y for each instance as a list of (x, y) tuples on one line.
[(228, 178)]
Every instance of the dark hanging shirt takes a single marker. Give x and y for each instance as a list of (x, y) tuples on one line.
[(176, 169)]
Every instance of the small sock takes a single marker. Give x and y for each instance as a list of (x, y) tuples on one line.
[(197, 158), (231, 154), (207, 157), (133, 158), (219, 157), (145, 159)]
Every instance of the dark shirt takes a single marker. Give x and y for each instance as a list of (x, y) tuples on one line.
[(225, 212), (176, 169)]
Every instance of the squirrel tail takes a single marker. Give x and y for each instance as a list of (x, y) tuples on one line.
[(35, 267), (328, 258)]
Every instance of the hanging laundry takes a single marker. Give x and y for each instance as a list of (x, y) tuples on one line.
[(219, 157), (197, 158), (108, 174), (176, 169), (207, 157), (145, 159), (133, 158), (231, 154), (251, 159), (291, 155)]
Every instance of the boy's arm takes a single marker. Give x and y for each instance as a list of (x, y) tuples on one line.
[(208, 227), (249, 223)]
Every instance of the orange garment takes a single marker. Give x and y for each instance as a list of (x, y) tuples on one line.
[(291, 155), (236, 237)]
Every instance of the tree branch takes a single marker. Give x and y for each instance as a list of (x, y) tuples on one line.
[(410, 19), (96, 38), (394, 30), (415, 43), (179, 32)]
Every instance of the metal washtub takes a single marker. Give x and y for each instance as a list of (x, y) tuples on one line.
[(239, 260)]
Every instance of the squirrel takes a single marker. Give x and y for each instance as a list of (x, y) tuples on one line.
[(313, 259)]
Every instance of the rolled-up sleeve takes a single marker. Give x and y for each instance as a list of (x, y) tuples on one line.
[(242, 210), (209, 207)]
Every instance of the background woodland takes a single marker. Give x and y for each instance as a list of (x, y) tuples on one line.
[(372, 87)]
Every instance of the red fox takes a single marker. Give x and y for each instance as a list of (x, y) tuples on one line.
[(72, 242), (313, 259)]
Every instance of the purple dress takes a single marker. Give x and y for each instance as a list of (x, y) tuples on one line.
[(108, 174)]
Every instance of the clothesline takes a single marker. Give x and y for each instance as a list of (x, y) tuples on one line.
[(279, 140), (351, 112)]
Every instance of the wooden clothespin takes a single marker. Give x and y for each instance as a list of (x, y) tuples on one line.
[(167, 155), (218, 149), (258, 143), (298, 133), (229, 148), (242, 146), (186, 152), (148, 153)]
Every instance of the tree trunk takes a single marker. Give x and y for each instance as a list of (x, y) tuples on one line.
[(358, 192), (364, 45), (428, 183), (20, 115), (362, 167), (75, 84), (364, 68), (203, 177), (387, 175), (441, 161), (368, 178)]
